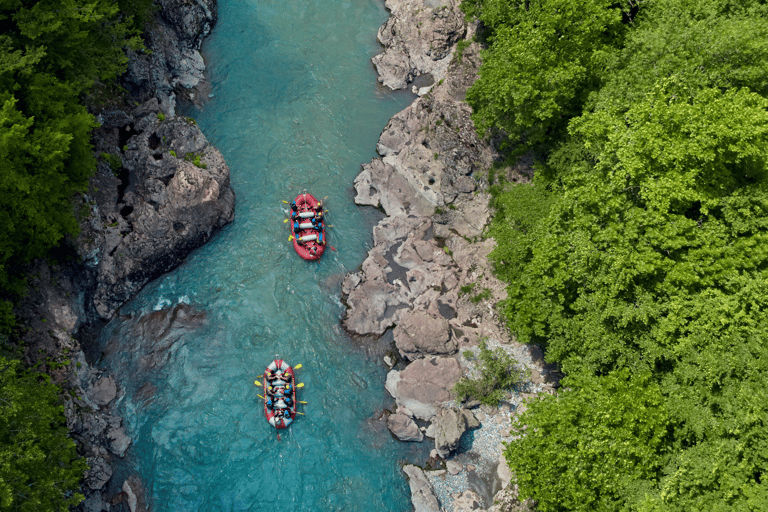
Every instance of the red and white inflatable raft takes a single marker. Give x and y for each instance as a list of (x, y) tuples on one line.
[(279, 394), (308, 227)]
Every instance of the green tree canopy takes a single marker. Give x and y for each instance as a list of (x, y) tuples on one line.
[(543, 60), (39, 466), (673, 203), (594, 447)]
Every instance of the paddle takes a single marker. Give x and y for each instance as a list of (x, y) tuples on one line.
[(257, 383), (297, 366), (300, 385)]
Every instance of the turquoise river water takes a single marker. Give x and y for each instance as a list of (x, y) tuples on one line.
[(294, 104)]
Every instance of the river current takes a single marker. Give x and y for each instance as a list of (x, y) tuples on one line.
[(294, 105)]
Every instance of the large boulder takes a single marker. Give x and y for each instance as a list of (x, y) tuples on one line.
[(422, 493), (419, 335), (423, 384), (450, 425), (170, 196), (404, 428), (419, 37)]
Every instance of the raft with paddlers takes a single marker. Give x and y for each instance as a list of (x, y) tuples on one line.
[(308, 227), (279, 393)]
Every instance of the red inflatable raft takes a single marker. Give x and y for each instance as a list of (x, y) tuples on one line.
[(308, 227), (279, 394)]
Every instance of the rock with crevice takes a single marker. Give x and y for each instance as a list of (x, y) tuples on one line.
[(173, 195), (172, 64), (450, 425), (423, 495), (419, 39), (404, 428), (419, 334)]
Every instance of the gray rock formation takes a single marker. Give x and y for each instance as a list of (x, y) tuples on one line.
[(144, 212), (422, 494), (467, 501), (171, 194), (423, 384), (419, 334), (173, 65), (450, 425), (419, 37), (404, 428)]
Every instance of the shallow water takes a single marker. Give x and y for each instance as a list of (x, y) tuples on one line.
[(294, 104)]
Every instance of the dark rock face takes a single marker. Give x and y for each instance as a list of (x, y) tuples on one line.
[(161, 207), (174, 64)]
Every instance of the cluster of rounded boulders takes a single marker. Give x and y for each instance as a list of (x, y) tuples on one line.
[(428, 277)]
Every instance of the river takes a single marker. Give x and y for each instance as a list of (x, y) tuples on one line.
[(294, 105)]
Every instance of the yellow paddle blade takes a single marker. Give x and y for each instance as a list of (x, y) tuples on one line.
[(297, 412), (297, 366), (260, 396), (302, 402), (300, 385), (290, 239), (286, 202), (257, 383), (285, 220)]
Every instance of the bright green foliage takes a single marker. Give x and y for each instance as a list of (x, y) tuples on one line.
[(707, 43), (39, 467), (544, 58), (640, 256), (674, 204), (594, 447), (51, 53), (499, 373)]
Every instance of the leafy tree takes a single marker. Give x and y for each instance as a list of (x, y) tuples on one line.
[(671, 205), (595, 446), (703, 44), (39, 466), (499, 373), (544, 58)]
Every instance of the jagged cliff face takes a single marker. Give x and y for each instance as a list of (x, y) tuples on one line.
[(173, 64)]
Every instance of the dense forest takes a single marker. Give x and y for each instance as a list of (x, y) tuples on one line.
[(638, 255), (55, 55)]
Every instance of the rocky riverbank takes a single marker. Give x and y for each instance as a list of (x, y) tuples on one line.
[(160, 191), (427, 281)]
